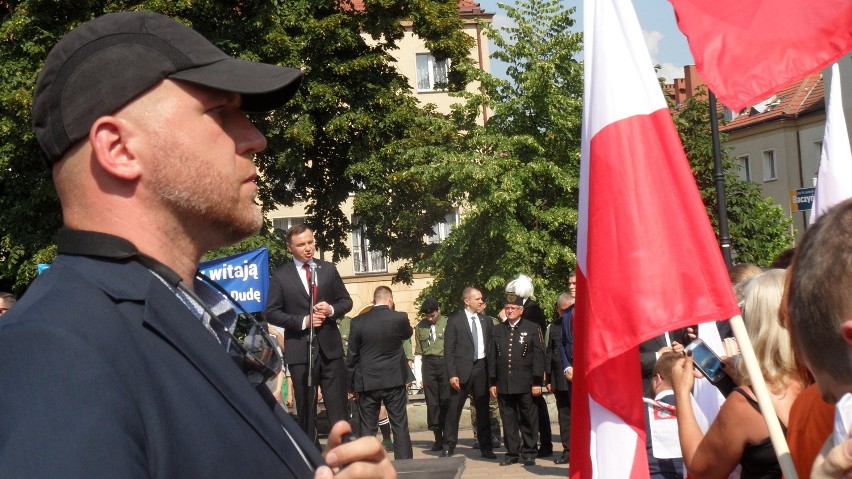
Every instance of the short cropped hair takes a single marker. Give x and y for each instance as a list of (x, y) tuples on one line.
[(296, 230), (820, 297), (382, 293), (665, 363), (468, 292), (742, 272), (564, 300)]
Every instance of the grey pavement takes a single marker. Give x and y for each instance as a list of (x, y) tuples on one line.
[(475, 465)]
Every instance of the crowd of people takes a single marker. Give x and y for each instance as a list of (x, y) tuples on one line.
[(121, 360)]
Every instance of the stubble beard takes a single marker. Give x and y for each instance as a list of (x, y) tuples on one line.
[(206, 205)]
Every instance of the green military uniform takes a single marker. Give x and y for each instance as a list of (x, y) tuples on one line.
[(429, 343)]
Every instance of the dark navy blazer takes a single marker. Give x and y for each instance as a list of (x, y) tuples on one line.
[(106, 373)]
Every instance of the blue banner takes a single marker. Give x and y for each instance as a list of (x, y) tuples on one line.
[(244, 276)]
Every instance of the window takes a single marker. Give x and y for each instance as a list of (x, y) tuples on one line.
[(365, 260), (431, 74), (769, 172), (442, 230), (743, 168), (281, 225)]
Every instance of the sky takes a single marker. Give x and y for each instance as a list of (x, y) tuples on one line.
[(666, 44)]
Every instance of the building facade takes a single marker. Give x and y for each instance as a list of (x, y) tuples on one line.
[(366, 269)]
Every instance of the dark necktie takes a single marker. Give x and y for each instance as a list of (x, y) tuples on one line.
[(310, 278), (475, 334)]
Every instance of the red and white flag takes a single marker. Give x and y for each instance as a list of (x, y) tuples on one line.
[(647, 257), (834, 181), (746, 50)]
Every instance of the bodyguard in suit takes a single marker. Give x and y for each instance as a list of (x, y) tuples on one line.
[(119, 361), (378, 369), (288, 305), (557, 383), (429, 344), (516, 369), (467, 342)]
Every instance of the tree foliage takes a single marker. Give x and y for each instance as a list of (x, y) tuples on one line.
[(759, 229), (337, 119), (514, 178)]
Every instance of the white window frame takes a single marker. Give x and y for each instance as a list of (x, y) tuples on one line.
[(365, 260), (743, 168), (770, 166), (429, 72), (285, 223), (442, 229)]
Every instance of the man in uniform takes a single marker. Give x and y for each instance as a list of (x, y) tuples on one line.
[(522, 287), (516, 369), (429, 344)]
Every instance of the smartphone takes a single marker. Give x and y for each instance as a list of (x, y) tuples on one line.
[(706, 360)]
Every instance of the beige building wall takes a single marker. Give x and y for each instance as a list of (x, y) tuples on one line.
[(361, 285), (795, 145)]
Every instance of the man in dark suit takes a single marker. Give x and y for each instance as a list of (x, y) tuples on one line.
[(117, 362), (378, 369), (557, 383), (516, 370), (289, 305), (467, 340)]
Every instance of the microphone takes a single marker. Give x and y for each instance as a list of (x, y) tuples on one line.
[(314, 269)]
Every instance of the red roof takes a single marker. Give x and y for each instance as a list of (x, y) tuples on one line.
[(797, 99)]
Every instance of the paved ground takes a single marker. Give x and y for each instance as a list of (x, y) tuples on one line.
[(477, 467), (474, 465)]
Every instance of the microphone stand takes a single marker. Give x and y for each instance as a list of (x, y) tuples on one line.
[(312, 402)]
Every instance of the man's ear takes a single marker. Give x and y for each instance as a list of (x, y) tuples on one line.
[(109, 137), (846, 331)]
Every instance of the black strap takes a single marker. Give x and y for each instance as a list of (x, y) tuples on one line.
[(103, 245)]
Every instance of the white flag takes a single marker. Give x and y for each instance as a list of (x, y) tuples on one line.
[(834, 181)]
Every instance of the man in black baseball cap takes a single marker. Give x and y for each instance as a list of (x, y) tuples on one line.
[(121, 359)]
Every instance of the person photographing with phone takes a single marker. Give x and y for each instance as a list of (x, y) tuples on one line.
[(739, 434)]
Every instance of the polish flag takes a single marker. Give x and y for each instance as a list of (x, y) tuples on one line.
[(834, 181), (647, 257), (746, 50)]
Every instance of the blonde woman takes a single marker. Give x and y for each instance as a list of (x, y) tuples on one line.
[(739, 434)]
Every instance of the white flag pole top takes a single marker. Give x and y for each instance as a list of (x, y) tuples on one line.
[(834, 182)]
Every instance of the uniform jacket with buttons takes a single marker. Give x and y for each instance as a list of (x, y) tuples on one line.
[(517, 357)]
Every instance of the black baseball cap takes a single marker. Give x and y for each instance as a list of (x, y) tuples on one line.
[(103, 64), (429, 305)]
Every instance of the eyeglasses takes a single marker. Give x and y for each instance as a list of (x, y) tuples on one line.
[(511, 308), (256, 355)]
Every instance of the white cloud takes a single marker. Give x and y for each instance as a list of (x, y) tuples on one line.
[(652, 41), (670, 72), (500, 20)]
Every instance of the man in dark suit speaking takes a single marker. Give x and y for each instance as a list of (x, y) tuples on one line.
[(288, 305), (378, 369)]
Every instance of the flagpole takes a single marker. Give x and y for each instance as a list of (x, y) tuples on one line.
[(758, 385), (719, 176)]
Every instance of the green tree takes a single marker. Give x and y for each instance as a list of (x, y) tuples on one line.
[(515, 178), (758, 228), (335, 121)]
